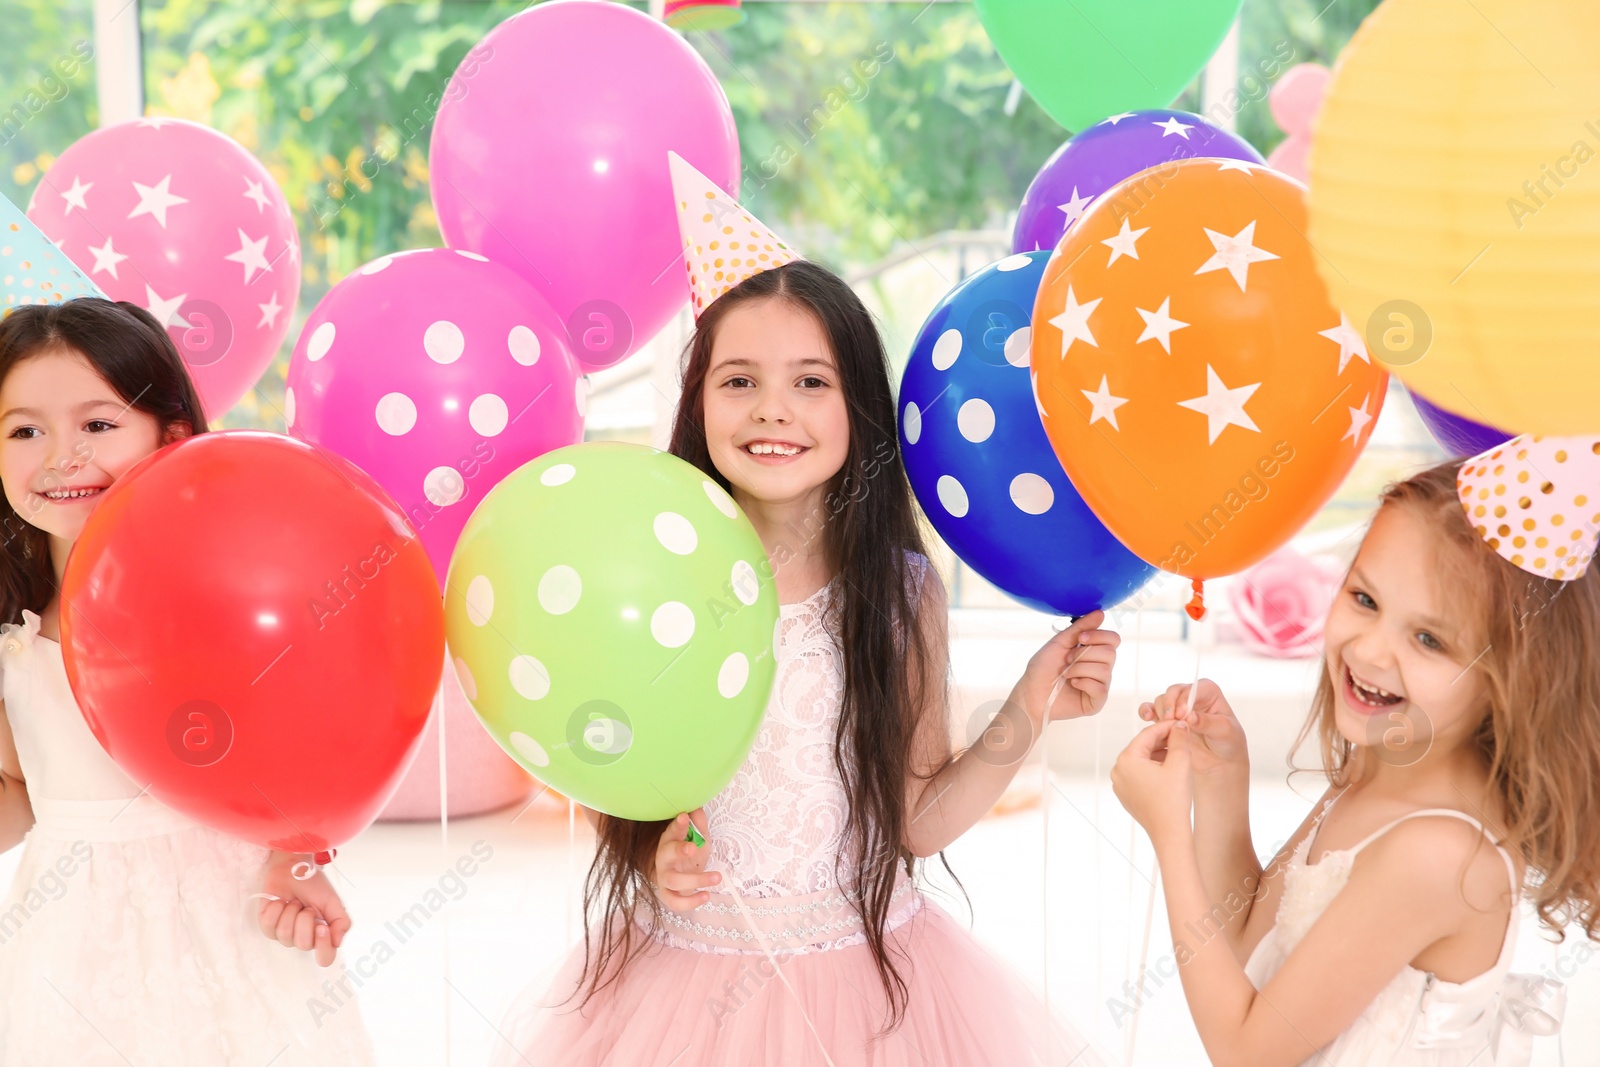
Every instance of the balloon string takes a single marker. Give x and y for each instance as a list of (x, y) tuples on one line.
[(306, 868), (572, 860), (1044, 860), (1186, 704), (444, 835), (772, 958)]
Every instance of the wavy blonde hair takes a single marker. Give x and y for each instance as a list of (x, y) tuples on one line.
[(1540, 733)]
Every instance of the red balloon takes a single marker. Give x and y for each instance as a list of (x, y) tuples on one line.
[(253, 629)]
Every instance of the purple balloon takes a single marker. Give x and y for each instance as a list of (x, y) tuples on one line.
[(1103, 155), (1456, 435)]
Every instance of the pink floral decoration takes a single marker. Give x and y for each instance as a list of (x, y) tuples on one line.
[(1282, 602)]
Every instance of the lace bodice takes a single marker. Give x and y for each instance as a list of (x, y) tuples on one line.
[(780, 825)]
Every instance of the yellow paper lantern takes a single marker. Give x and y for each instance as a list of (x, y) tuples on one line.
[(1455, 204)]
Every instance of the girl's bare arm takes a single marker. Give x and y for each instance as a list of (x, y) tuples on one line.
[(16, 812)]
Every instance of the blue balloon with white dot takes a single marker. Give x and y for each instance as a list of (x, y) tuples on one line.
[(980, 463)]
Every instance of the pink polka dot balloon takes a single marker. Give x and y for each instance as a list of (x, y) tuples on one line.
[(438, 373), (180, 219)]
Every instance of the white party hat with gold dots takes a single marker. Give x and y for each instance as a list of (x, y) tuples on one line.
[(32, 269), (723, 243), (1536, 501)]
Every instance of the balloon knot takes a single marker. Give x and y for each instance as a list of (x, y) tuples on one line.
[(1197, 606)]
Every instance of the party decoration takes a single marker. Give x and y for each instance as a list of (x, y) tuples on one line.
[(549, 156), (1105, 154), (1455, 207), (1536, 501), (702, 14), (1456, 435), (723, 244), (1282, 602), (980, 462), (182, 220), (1086, 60), (32, 269), (251, 626), (479, 776), (1294, 101), (438, 373), (614, 623), (1198, 387)]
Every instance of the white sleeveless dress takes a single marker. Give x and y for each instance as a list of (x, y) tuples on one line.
[(781, 975), (1417, 1020), (126, 936)]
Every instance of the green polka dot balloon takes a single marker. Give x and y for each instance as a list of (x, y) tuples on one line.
[(613, 620)]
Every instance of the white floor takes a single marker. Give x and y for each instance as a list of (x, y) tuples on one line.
[(435, 991), (516, 915)]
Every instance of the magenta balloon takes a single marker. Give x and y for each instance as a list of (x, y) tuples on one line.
[(549, 155), (438, 373), (178, 218)]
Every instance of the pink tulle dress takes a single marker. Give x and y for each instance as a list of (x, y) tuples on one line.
[(706, 991)]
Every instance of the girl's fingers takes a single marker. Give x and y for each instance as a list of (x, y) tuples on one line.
[(688, 882), (1147, 711), (286, 921), (325, 947), (1089, 655), (305, 930), (267, 917), (1151, 738)]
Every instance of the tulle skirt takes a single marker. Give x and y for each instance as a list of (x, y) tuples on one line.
[(680, 1007), (127, 937)]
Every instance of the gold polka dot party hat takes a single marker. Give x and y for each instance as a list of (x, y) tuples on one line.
[(1536, 501), (723, 244)]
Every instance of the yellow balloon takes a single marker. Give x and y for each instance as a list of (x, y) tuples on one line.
[(1455, 204)]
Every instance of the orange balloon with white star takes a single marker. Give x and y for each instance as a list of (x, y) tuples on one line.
[(1199, 388)]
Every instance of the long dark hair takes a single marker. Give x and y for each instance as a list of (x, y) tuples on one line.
[(126, 346), (871, 539)]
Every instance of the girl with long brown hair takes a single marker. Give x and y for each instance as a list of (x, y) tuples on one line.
[(797, 934)]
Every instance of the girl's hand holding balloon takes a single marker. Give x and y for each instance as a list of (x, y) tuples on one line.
[(307, 915), (1217, 747), (680, 865), (1081, 656), (1154, 779)]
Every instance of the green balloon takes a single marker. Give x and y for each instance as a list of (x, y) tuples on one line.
[(613, 621), (1089, 59)]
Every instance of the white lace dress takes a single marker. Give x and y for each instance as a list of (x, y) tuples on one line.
[(779, 974), (1417, 1020), (126, 936)]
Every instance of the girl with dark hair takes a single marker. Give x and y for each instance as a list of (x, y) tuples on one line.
[(797, 934), (127, 933), (1457, 717)]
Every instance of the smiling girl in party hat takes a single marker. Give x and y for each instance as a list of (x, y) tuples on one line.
[(798, 934), (1458, 716)]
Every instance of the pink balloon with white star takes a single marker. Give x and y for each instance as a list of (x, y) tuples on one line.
[(182, 220)]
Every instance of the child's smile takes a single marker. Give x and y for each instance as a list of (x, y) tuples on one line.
[(775, 416), (1401, 673), (66, 438)]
